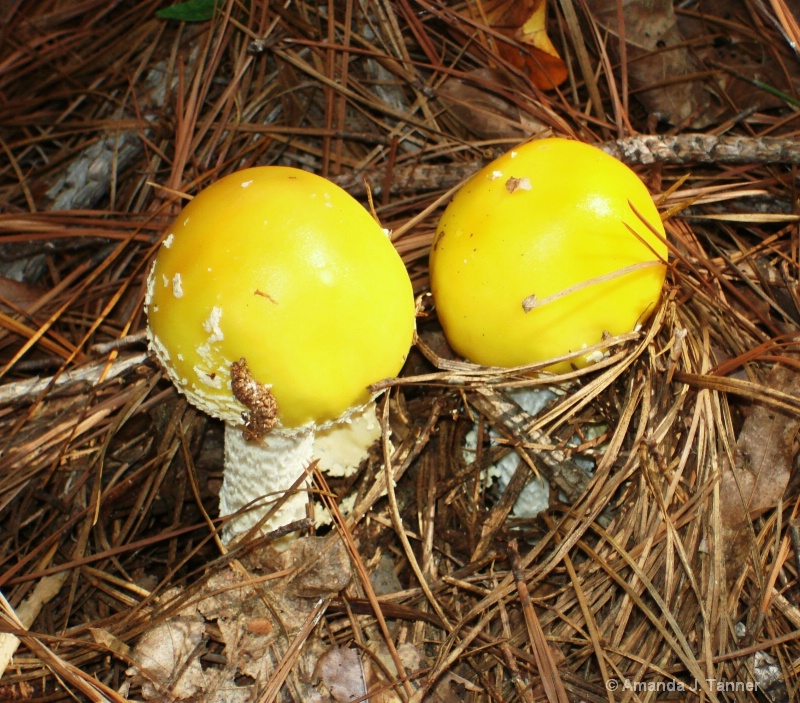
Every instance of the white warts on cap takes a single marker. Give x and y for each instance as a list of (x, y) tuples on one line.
[(246, 183), (177, 288), (151, 282), (211, 325), (168, 240), (207, 378), (205, 370)]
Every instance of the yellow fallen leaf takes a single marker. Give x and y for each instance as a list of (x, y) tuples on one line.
[(526, 24), (534, 30)]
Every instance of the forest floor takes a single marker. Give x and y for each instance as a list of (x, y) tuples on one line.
[(665, 565)]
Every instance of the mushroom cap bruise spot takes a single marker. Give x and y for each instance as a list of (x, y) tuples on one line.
[(308, 290)]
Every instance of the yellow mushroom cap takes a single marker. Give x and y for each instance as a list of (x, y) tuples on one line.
[(548, 216), (283, 269)]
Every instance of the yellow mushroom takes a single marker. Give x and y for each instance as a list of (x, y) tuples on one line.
[(273, 303), (541, 253)]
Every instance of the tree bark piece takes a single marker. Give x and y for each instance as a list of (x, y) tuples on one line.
[(704, 149)]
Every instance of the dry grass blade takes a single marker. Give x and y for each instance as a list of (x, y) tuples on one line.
[(755, 392), (371, 597), (788, 22), (551, 681), (283, 669), (532, 302)]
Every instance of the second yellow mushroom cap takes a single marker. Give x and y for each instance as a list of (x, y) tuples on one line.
[(541, 222)]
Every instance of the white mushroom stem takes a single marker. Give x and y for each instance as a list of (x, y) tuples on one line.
[(263, 469), (259, 472)]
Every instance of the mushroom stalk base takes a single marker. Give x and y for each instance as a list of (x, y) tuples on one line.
[(257, 473)]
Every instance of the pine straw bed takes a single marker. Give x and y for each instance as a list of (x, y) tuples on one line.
[(650, 572)]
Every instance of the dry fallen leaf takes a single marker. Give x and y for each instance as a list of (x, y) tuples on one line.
[(534, 30), (526, 23), (347, 674), (251, 617), (342, 672), (165, 656), (657, 57), (322, 567), (18, 294), (764, 457), (476, 102)]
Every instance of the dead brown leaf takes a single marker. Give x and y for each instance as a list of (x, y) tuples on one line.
[(484, 111), (348, 674), (657, 58), (526, 23), (166, 657), (342, 672), (742, 69), (253, 616), (320, 566), (763, 461), (18, 294)]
